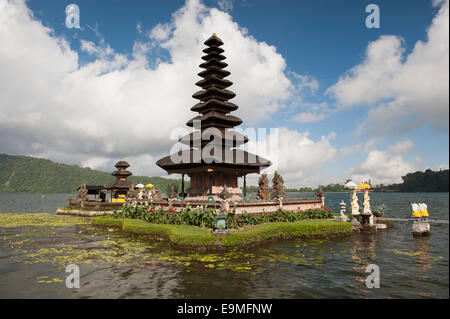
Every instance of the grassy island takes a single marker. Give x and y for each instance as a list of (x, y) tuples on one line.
[(201, 238)]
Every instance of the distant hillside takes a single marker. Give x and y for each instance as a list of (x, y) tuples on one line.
[(23, 174)]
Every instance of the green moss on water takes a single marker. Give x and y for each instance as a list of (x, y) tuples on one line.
[(40, 220)]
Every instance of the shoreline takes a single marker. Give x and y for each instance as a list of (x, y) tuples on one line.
[(193, 237)]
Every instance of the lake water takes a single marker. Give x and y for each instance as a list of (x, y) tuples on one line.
[(112, 265)]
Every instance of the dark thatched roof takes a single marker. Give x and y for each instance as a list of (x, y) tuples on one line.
[(230, 138), (215, 119), (118, 184), (122, 164), (235, 158), (213, 41), (214, 105)]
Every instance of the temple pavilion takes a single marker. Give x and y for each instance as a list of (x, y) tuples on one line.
[(213, 159), (121, 185)]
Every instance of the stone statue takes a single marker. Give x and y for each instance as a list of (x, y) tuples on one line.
[(366, 203), (157, 194), (141, 194), (355, 205), (342, 217), (172, 194), (103, 195), (82, 194), (320, 194), (225, 194), (131, 193), (278, 190), (263, 187), (356, 225)]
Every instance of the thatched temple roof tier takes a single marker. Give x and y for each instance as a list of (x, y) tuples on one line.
[(213, 81), (215, 71), (235, 159), (214, 105), (215, 119), (215, 56), (122, 184), (121, 174), (214, 41), (213, 62), (214, 93), (229, 138), (213, 49), (122, 164)]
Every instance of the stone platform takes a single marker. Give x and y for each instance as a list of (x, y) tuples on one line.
[(94, 208)]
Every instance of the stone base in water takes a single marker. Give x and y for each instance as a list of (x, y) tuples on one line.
[(369, 228), (79, 212)]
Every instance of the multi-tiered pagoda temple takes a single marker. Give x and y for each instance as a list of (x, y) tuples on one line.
[(213, 160)]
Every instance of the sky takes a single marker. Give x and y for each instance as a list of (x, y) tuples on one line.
[(347, 101)]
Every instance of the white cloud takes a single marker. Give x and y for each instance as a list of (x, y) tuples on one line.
[(116, 106), (443, 166), (404, 92), (313, 112), (371, 143), (382, 167), (225, 5), (296, 157), (139, 27), (346, 151), (401, 147), (309, 117), (160, 32)]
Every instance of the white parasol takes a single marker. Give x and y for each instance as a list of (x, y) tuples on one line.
[(351, 185)]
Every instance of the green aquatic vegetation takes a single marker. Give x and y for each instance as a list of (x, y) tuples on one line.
[(399, 252), (54, 280), (40, 220), (116, 251)]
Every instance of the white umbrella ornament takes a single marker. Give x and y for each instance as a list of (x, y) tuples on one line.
[(351, 185)]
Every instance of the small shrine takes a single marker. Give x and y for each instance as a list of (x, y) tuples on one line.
[(120, 187)]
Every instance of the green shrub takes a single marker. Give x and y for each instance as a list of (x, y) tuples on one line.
[(205, 217)]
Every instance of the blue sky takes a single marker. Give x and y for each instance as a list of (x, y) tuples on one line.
[(320, 42)]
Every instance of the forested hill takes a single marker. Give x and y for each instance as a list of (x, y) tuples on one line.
[(23, 174), (427, 181)]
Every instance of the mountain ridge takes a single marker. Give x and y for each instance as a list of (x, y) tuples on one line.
[(26, 174)]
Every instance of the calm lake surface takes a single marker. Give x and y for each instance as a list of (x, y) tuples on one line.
[(33, 259)]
